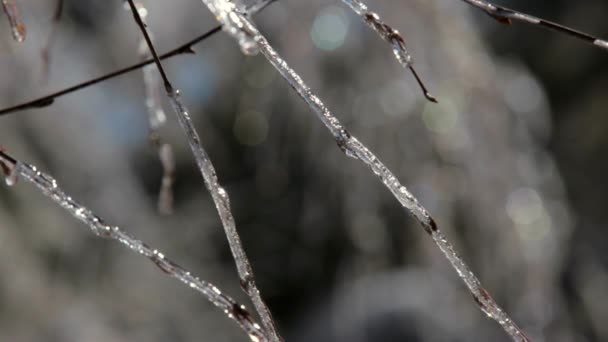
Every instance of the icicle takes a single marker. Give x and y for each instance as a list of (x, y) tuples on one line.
[(14, 18)]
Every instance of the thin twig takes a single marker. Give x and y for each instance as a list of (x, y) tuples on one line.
[(49, 187), (49, 99), (355, 149), (506, 16), (392, 36), (218, 193)]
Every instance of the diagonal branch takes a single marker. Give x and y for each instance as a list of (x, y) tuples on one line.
[(50, 99), (242, 28), (49, 187), (392, 36), (218, 193), (506, 16)]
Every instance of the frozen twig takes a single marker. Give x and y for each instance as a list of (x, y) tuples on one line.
[(48, 186), (14, 18), (355, 149), (392, 36), (506, 16), (218, 193)]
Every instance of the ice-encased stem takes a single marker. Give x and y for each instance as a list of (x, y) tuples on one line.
[(218, 193), (222, 203), (393, 37), (507, 15), (355, 149), (224, 12), (49, 187)]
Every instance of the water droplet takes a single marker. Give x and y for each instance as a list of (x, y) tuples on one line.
[(11, 174), (248, 46)]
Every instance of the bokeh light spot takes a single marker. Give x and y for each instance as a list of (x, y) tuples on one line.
[(329, 28)]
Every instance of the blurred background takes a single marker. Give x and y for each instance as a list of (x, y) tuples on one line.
[(510, 162)]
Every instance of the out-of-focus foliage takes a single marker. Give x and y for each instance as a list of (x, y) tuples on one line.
[(509, 161)]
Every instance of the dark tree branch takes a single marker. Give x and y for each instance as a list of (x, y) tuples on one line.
[(507, 16), (142, 26), (49, 99)]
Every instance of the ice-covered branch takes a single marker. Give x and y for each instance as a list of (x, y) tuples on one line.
[(222, 203), (218, 193), (507, 15), (355, 149), (225, 13), (392, 36), (49, 187), (14, 18)]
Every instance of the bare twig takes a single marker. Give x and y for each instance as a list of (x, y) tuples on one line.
[(506, 16), (218, 193), (49, 99), (243, 29), (14, 18), (49, 187), (392, 36)]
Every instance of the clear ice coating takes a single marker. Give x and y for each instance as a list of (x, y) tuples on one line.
[(219, 195), (505, 16), (387, 33), (222, 203), (391, 36), (14, 18), (48, 186), (355, 149), (227, 13)]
